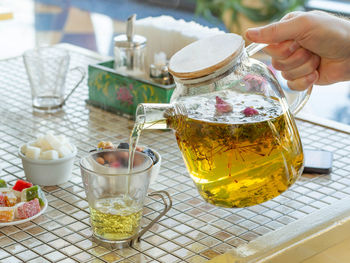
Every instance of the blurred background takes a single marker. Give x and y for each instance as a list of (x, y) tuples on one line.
[(92, 24)]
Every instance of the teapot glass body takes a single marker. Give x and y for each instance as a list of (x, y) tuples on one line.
[(236, 132)]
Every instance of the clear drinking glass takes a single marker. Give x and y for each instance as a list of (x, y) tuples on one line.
[(47, 69), (116, 197)]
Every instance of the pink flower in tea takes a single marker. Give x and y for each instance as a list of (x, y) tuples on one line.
[(124, 95), (255, 83), (248, 112), (222, 106)]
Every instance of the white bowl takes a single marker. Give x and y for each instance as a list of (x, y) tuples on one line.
[(155, 167), (48, 172)]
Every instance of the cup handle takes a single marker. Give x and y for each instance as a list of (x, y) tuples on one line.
[(83, 74), (302, 96), (167, 205)]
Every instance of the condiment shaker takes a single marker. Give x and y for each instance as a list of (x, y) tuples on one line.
[(129, 51)]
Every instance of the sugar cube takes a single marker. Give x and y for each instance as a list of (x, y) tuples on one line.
[(43, 143), (7, 214), (51, 147), (33, 152), (49, 155), (27, 209), (24, 148), (31, 193), (64, 151), (53, 141)]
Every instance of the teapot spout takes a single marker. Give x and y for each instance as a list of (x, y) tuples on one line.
[(154, 115)]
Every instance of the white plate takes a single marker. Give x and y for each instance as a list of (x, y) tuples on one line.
[(21, 221)]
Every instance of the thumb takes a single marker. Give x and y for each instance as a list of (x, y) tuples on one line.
[(276, 32)]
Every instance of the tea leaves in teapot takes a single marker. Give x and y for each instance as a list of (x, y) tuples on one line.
[(238, 157)]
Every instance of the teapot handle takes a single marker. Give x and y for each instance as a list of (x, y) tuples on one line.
[(302, 96), (254, 47)]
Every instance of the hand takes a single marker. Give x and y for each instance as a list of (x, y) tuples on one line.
[(308, 47)]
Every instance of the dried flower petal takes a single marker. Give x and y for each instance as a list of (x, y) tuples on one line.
[(255, 83), (248, 112), (222, 106)]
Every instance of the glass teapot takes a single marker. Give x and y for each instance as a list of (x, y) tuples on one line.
[(232, 122)]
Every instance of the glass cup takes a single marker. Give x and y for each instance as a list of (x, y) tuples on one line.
[(116, 197), (47, 68)]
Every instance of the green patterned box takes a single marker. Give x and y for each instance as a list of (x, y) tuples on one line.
[(121, 94)]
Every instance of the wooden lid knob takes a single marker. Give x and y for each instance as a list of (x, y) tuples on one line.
[(205, 56)]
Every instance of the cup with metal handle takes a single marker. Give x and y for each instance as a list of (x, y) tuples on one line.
[(47, 68), (116, 195)]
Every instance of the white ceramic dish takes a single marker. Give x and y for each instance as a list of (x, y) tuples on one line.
[(21, 221), (48, 172), (156, 166)]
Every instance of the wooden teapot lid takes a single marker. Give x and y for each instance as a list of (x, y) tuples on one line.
[(205, 56)]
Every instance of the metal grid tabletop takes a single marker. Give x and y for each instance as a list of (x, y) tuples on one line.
[(192, 231)]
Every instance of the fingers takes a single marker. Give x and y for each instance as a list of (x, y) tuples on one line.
[(297, 59), (282, 50), (292, 15), (304, 82), (305, 69), (288, 29)]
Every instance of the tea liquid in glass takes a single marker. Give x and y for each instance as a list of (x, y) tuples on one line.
[(237, 160), (115, 218)]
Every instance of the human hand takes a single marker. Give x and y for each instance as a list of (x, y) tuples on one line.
[(308, 47)]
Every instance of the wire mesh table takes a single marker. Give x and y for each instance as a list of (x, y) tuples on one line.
[(192, 231)]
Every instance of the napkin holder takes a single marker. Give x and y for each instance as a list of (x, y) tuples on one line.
[(112, 91)]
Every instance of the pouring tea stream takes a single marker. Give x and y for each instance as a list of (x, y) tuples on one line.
[(232, 123)]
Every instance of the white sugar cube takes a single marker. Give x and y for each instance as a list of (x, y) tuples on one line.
[(64, 151), (53, 141), (24, 148), (37, 142), (33, 152), (49, 155), (43, 143)]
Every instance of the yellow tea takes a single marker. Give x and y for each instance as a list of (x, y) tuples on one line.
[(237, 160), (115, 218)]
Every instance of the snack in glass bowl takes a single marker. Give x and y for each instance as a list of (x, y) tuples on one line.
[(48, 160), (29, 202)]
